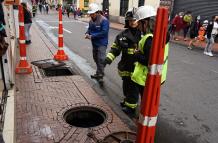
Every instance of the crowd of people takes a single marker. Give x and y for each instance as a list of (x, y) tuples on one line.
[(69, 8), (199, 30)]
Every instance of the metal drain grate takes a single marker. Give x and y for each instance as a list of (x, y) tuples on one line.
[(85, 116)]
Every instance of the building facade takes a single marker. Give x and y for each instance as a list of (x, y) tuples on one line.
[(118, 8), (205, 8)]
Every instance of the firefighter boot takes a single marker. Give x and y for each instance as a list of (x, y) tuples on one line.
[(131, 112)]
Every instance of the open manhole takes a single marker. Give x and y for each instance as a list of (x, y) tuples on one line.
[(57, 71), (85, 116)]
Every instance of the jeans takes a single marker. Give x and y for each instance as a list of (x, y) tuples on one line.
[(27, 31), (99, 55), (209, 45)]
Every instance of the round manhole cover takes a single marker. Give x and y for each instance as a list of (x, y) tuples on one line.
[(121, 137), (85, 116)]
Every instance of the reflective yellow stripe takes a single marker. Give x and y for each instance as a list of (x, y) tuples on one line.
[(124, 73), (114, 45), (110, 56), (130, 51), (133, 106)]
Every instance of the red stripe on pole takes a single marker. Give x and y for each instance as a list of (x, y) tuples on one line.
[(23, 66), (60, 55), (151, 97)]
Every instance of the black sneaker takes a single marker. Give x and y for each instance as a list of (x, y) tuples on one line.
[(97, 76)]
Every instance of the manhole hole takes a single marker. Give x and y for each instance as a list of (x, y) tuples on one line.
[(48, 63), (85, 116), (57, 71)]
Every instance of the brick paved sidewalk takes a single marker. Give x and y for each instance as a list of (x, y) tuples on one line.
[(41, 102)]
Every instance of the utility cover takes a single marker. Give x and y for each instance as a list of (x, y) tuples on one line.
[(48, 63)]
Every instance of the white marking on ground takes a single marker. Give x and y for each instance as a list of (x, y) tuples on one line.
[(55, 27), (79, 61), (214, 71)]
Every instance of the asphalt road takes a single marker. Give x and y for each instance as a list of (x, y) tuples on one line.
[(188, 110)]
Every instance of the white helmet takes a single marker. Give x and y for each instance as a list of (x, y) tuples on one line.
[(145, 12), (93, 8)]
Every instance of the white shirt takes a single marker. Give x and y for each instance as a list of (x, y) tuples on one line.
[(215, 28)]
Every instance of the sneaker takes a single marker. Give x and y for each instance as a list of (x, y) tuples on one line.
[(206, 53), (210, 54), (189, 47)]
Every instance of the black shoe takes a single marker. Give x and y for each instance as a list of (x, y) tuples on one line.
[(97, 76), (122, 104), (100, 81), (28, 42), (130, 112)]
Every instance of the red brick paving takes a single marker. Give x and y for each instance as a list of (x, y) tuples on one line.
[(41, 102)]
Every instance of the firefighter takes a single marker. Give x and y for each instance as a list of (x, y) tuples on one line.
[(146, 19), (126, 43)]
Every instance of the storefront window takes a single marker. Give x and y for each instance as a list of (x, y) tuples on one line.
[(123, 7), (141, 3)]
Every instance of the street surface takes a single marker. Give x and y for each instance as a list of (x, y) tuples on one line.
[(189, 99)]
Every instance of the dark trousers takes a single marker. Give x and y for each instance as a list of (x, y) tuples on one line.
[(130, 90), (185, 31), (99, 55)]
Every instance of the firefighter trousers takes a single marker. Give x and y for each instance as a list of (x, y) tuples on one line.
[(130, 90)]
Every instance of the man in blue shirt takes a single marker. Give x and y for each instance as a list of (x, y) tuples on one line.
[(98, 34)]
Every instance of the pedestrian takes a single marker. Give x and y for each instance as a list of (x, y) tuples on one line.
[(146, 17), (46, 7), (40, 7), (3, 44), (68, 11), (27, 22), (212, 31), (126, 43), (34, 9), (177, 24), (202, 31), (98, 34), (194, 29), (187, 20), (75, 13)]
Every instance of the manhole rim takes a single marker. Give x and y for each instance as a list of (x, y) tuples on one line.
[(105, 109), (101, 112)]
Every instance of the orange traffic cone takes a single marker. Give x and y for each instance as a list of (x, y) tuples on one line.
[(60, 56), (23, 67)]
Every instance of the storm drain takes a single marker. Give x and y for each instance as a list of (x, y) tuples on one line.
[(85, 116), (57, 71)]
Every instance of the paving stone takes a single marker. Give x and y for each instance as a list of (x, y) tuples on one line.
[(42, 101)]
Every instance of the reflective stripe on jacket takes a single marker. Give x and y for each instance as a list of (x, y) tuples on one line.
[(125, 43), (140, 72)]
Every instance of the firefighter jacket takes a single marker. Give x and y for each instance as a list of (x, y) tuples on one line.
[(125, 43), (141, 66)]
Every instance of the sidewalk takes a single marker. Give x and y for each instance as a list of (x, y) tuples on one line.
[(41, 102), (200, 45)]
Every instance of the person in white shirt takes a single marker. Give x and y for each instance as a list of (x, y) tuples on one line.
[(212, 31)]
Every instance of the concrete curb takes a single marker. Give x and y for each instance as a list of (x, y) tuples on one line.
[(9, 121)]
